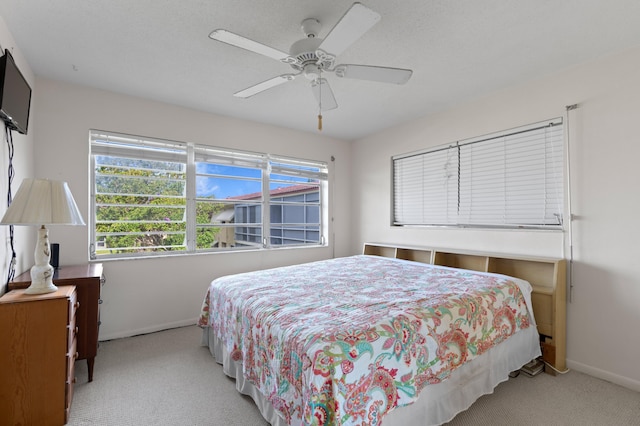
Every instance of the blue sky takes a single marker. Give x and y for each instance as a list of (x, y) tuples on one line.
[(241, 181)]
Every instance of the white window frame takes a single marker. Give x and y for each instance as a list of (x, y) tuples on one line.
[(117, 144), (512, 179)]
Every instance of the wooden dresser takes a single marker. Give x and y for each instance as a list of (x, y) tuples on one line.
[(88, 281), (38, 335)]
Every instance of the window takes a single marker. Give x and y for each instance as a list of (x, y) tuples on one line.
[(151, 196), (513, 179)]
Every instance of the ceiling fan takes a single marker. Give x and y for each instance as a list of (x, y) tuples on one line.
[(313, 56)]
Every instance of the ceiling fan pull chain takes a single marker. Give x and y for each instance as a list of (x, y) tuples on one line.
[(320, 102)]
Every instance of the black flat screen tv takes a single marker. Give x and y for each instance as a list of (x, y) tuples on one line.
[(15, 95)]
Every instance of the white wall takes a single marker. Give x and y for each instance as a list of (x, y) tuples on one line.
[(603, 316), (152, 294), (24, 236)]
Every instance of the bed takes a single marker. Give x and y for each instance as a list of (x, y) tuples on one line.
[(394, 336)]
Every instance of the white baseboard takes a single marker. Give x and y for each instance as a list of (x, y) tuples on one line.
[(146, 330), (605, 375)]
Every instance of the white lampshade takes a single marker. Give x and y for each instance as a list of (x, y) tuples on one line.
[(43, 202)]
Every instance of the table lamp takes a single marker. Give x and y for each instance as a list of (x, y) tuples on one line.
[(42, 202)]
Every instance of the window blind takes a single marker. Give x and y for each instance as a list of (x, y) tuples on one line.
[(426, 188), (212, 155), (117, 145), (509, 179), (313, 170)]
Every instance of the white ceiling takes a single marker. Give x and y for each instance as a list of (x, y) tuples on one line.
[(458, 50)]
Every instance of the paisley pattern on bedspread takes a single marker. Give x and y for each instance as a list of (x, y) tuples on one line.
[(344, 341)]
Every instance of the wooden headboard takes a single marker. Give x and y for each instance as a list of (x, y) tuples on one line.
[(546, 276)]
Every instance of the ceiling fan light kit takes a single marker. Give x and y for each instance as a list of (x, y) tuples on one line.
[(312, 56)]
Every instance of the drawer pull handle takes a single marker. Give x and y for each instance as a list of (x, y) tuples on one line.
[(76, 305), (76, 355), (76, 329), (99, 301)]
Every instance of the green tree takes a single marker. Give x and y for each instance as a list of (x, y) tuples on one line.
[(141, 206)]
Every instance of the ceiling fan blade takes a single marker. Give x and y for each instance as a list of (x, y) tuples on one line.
[(265, 85), (247, 44), (353, 24), (373, 73), (324, 95)]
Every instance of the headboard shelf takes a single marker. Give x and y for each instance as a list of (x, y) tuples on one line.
[(547, 277), (415, 255), (474, 262), (378, 250)]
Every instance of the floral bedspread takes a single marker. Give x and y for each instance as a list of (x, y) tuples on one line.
[(344, 341)]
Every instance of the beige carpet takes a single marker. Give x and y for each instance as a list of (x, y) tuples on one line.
[(167, 378)]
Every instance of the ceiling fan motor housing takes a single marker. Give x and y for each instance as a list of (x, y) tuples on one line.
[(305, 51)]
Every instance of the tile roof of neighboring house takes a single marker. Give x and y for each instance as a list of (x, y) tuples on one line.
[(287, 190)]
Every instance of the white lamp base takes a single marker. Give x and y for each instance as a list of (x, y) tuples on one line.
[(40, 289), (42, 272)]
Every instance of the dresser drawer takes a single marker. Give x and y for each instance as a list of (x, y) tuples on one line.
[(74, 304), (72, 352), (72, 355), (72, 328), (71, 377), (72, 334)]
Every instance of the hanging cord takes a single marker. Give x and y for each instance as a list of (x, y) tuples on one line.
[(569, 210), (548, 364), (320, 102), (10, 174), (331, 180)]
